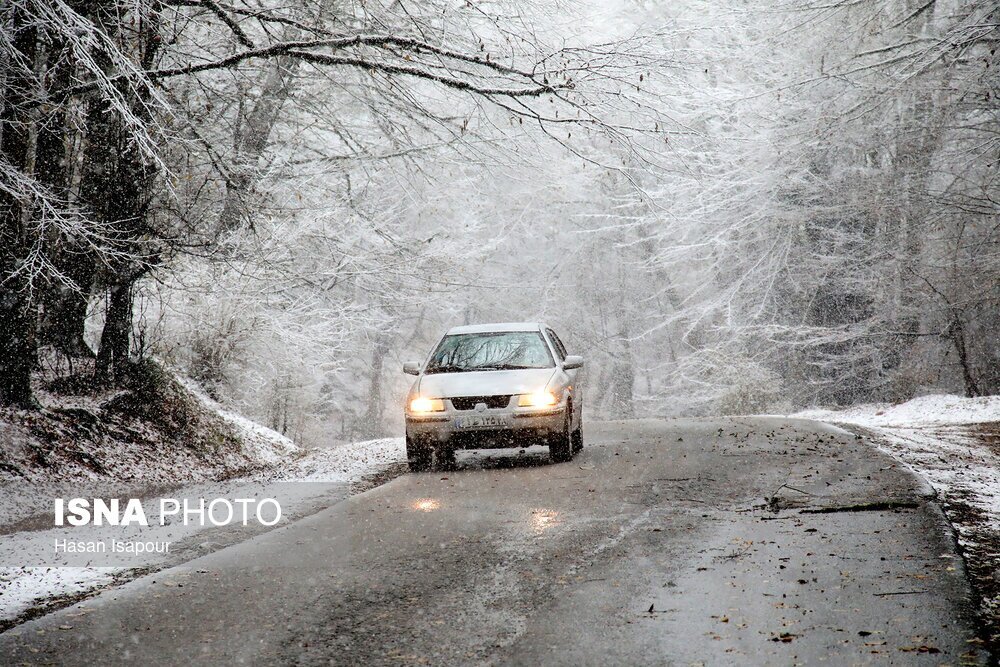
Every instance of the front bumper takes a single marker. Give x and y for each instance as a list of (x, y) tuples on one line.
[(521, 428)]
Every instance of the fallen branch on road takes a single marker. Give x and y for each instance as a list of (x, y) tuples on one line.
[(863, 507)]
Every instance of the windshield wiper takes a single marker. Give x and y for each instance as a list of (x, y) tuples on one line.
[(473, 369), (447, 369)]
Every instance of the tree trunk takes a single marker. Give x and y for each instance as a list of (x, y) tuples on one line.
[(623, 368), (114, 351), (623, 374), (956, 332), (254, 132), (64, 307), (118, 191), (375, 407), (623, 383), (920, 136), (18, 312), (18, 350)]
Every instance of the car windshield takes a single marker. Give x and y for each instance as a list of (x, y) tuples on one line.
[(501, 351)]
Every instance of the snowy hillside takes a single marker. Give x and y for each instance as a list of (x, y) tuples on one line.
[(156, 431), (160, 431)]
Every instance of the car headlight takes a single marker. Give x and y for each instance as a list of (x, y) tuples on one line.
[(539, 399), (421, 405)]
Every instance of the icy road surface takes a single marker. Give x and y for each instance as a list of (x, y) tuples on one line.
[(729, 541)]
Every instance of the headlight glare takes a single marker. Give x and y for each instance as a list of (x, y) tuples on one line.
[(539, 399), (421, 405)]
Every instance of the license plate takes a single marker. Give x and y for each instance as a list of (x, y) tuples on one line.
[(482, 421)]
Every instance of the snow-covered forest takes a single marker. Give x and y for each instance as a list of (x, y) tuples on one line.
[(725, 206)]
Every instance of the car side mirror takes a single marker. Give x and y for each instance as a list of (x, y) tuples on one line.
[(573, 361), (411, 367)]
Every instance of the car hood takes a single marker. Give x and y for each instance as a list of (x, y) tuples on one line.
[(484, 383)]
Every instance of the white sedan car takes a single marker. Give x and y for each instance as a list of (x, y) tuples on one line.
[(490, 386)]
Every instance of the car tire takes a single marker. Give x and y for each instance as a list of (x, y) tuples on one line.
[(418, 454), (578, 437), (561, 444), (445, 455)]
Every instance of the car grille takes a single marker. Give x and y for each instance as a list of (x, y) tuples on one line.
[(469, 402)]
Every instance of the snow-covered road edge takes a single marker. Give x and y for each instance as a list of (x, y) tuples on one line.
[(953, 443), (945, 439)]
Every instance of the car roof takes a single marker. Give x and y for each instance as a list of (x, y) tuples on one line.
[(496, 327)]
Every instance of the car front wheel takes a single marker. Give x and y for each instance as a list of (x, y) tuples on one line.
[(561, 444), (445, 455), (418, 454)]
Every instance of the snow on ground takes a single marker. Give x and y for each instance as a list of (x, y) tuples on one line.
[(922, 411), (259, 442), (26, 588), (953, 443), (347, 463)]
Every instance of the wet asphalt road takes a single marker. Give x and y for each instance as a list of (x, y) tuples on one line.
[(663, 542)]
